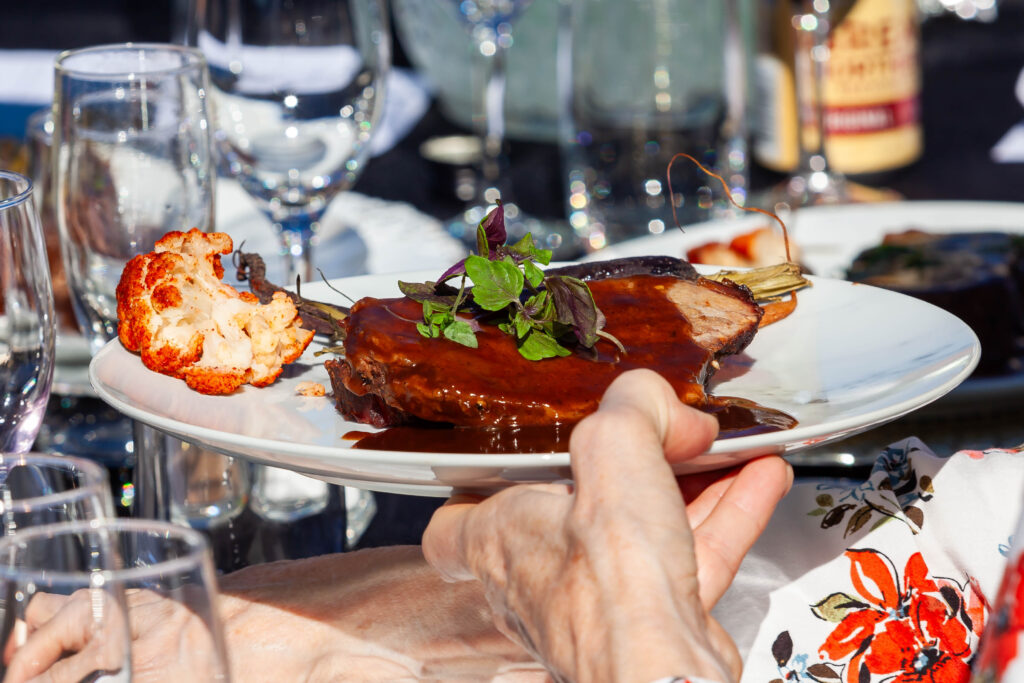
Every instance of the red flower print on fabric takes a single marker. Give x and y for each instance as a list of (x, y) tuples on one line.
[(920, 629)]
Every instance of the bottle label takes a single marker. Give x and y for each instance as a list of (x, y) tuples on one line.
[(871, 93), (775, 143), (872, 117), (857, 119)]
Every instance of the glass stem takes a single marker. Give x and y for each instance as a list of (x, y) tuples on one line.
[(152, 486), (812, 51), (297, 240), (491, 118)]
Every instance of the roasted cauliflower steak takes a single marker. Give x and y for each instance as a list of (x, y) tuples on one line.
[(175, 310)]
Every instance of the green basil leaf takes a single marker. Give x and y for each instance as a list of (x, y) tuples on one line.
[(435, 313), (525, 248), (538, 346), (482, 248), (521, 325), (428, 331), (536, 304), (460, 332), (496, 284), (534, 275)]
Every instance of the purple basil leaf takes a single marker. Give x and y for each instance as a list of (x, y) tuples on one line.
[(575, 307), (493, 232), (429, 291), (457, 269)]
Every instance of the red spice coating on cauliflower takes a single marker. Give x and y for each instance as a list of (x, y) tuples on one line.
[(173, 308)]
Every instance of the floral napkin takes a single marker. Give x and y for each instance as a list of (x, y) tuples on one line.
[(888, 579)]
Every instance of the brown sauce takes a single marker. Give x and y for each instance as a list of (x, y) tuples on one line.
[(505, 404), (736, 417), (439, 381)]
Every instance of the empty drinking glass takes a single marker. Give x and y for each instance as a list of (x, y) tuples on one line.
[(299, 88), (38, 489), (133, 161), (110, 599), (649, 80)]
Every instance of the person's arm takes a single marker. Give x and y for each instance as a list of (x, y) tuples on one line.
[(613, 578), (380, 614)]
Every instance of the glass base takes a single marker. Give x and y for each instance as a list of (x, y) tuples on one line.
[(795, 192)]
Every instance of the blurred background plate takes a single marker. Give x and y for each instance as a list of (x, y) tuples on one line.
[(829, 237)]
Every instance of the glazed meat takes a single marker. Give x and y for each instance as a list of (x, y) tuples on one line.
[(978, 277), (668, 318)]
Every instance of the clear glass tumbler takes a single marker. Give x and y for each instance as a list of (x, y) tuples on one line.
[(133, 161), (107, 599), (38, 489), (650, 80)]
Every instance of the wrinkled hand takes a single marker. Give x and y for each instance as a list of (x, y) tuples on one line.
[(372, 615), (68, 638), (614, 578), (380, 614)]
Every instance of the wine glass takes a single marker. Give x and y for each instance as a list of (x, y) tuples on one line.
[(814, 181), (38, 489), (489, 24), (27, 326), (132, 162), (298, 89), (110, 598)]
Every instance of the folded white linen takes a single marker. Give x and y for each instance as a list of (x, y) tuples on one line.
[(28, 79)]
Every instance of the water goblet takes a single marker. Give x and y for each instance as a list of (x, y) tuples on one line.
[(111, 598), (27, 326), (298, 89)]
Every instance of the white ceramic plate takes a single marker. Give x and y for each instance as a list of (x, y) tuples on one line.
[(829, 237), (850, 357)]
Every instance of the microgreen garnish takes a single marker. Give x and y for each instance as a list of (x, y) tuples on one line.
[(541, 312)]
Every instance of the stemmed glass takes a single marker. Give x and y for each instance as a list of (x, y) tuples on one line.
[(27, 325), (489, 23), (814, 181), (110, 598), (298, 88)]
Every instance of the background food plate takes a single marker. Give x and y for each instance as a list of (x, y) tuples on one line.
[(829, 237), (850, 357)]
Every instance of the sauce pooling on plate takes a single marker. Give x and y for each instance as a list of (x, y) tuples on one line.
[(736, 417)]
